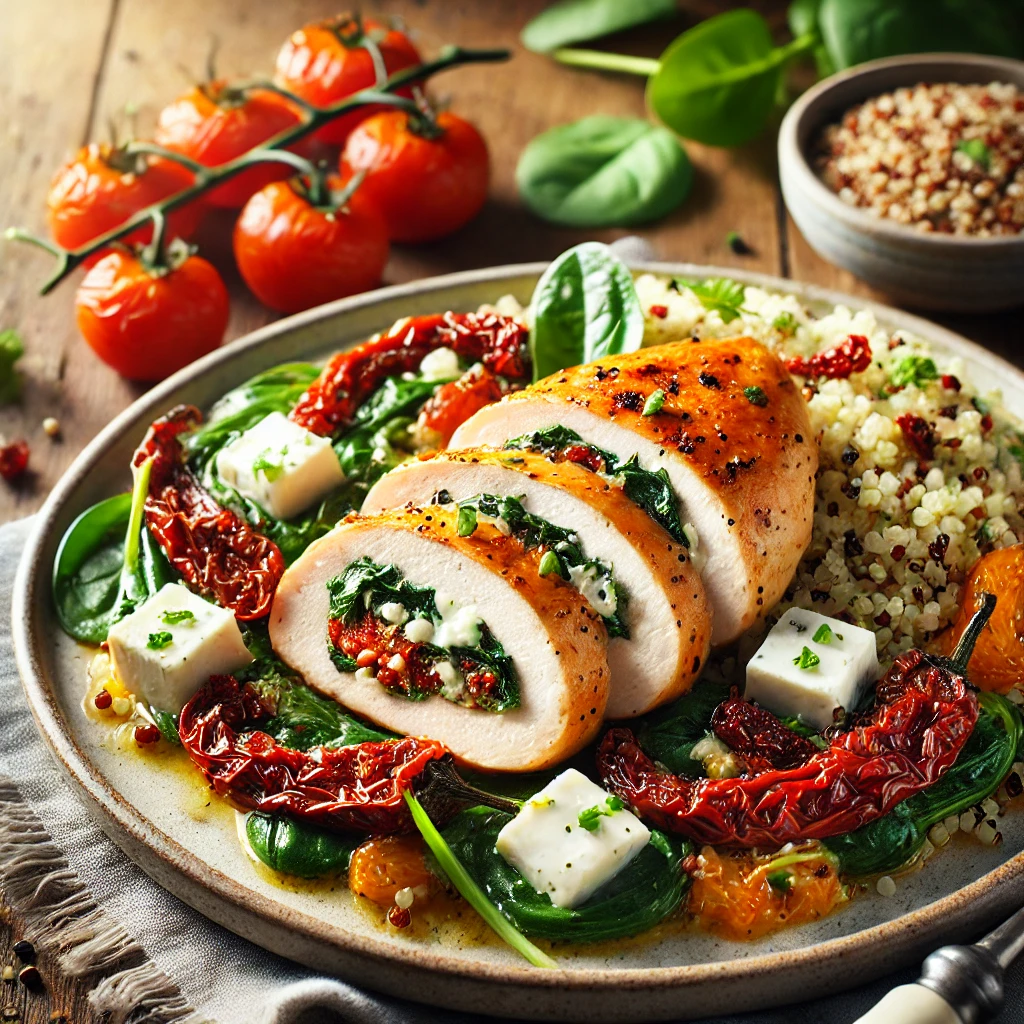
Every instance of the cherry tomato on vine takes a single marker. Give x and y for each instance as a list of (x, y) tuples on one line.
[(293, 254), (146, 323), (427, 175), (214, 123), (102, 186), (328, 60)]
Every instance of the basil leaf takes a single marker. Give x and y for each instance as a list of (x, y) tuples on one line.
[(855, 31), (297, 848), (604, 172), (802, 17), (648, 889), (717, 82), (585, 307), (571, 21)]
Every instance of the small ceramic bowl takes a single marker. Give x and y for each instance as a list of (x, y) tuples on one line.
[(928, 271)]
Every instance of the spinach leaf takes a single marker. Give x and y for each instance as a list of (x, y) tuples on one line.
[(585, 307), (603, 172), (167, 723), (646, 891), (276, 390), (571, 21), (297, 848), (648, 490), (855, 31), (916, 370), (670, 733), (890, 841), (11, 350), (92, 585), (719, 295)]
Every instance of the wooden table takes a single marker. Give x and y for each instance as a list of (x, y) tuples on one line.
[(67, 68)]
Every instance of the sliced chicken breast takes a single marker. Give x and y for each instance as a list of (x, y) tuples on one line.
[(733, 434), (666, 611), (556, 642)]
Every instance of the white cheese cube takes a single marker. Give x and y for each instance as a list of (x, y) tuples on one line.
[(547, 844), (441, 364), (170, 645), (281, 466), (846, 664)]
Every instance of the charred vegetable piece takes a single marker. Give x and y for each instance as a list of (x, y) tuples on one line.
[(760, 738), (216, 551), (295, 848), (330, 403), (354, 788), (923, 716)]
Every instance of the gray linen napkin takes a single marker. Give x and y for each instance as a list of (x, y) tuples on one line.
[(151, 951)]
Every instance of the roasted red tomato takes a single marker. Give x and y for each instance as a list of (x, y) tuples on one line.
[(102, 186), (453, 403), (428, 176), (294, 255), (329, 60), (214, 123), (148, 324)]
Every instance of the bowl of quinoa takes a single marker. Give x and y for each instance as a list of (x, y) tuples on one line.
[(909, 172)]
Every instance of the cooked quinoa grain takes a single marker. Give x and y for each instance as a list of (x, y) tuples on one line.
[(946, 158)]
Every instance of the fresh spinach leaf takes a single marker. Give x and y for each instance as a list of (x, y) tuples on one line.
[(297, 848), (646, 891), (572, 21), (92, 586), (585, 307), (855, 31), (11, 350), (603, 172)]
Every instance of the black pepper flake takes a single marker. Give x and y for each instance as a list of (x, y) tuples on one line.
[(709, 380), (631, 400), (850, 455)]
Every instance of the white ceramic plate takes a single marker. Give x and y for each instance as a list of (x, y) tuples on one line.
[(161, 821)]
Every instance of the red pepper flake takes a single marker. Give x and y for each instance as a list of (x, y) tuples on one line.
[(399, 917), (145, 734), (13, 460), (103, 700), (918, 435), (949, 382), (851, 356), (659, 311)]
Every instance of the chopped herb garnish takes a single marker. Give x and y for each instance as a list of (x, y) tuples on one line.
[(755, 396), (780, 881), (549, 563), (717, 295), (467, 521), (916, 370), (654, 403), (590, 817), (823, 634), (264, 464), (981, 405), (976, 150), (806, 659), (173, 618), (785, 323), (158, 641)]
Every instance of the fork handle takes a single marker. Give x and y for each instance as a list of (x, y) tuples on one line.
[(911, 1004)]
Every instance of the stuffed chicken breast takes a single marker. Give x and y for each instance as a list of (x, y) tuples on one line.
[(628, 566), (459, 638), (729, 426)]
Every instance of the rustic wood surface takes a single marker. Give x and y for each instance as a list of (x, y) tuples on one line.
[(68, 68)]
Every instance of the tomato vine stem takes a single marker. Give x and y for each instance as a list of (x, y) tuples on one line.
[(274, 149)]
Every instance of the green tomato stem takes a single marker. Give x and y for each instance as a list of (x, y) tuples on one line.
[(140, 491), (470, 891), (601, 61)]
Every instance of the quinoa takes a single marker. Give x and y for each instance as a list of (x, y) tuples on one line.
[(894, 536), (943, 158)]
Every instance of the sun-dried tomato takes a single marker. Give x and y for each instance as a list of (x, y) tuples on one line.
[(582, 455), (499, 342), (215, 550), (356, 788), (919, 436), (850, 356), (923, 715), (453, 403), (13, 459), (759, 737)]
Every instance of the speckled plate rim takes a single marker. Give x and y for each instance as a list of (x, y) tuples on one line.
[(792, 125), (597, 994)]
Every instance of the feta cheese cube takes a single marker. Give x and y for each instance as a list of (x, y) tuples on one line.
[(839, 664), (571, 838), (441, 364), (171, 644), (281, 466)]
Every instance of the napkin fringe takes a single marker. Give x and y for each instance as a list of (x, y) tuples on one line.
[(62, 919)]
